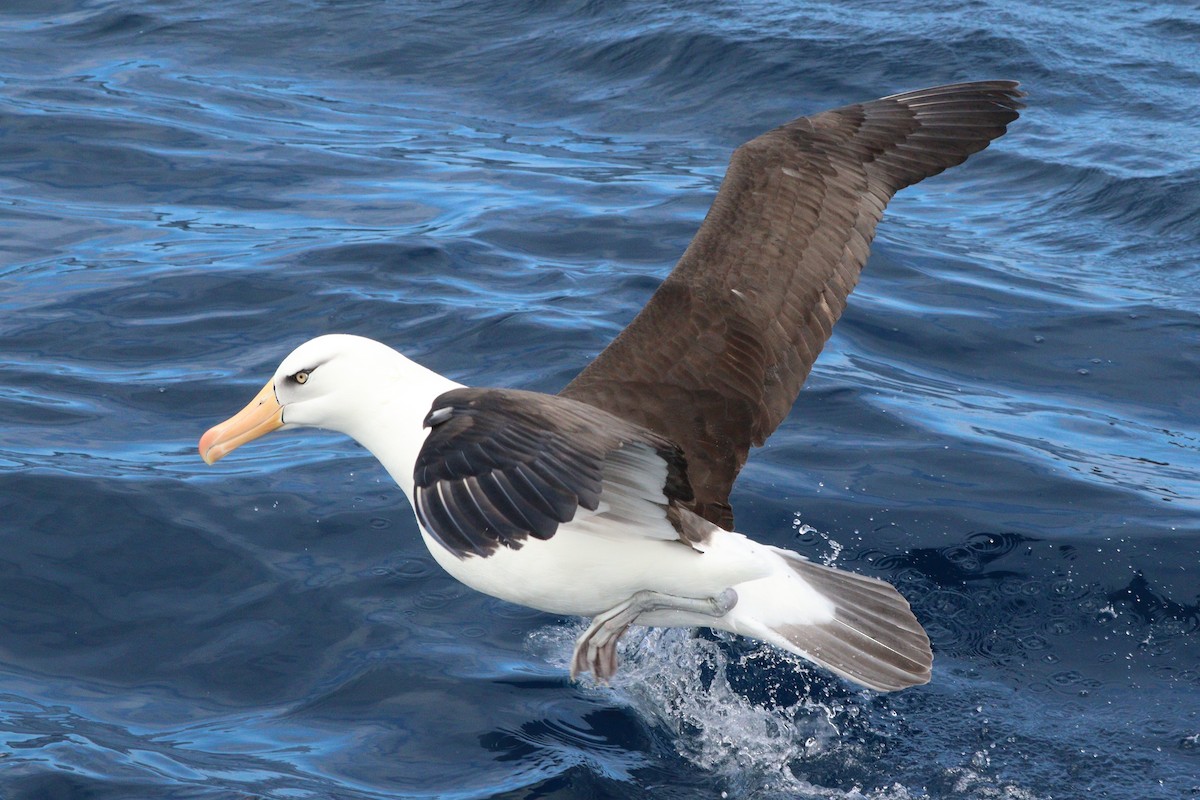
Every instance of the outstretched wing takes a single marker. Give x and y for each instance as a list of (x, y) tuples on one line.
[(501, 466), (716, 358)]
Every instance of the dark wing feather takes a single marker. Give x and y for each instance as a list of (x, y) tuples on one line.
[(716, 358), (500, 466)]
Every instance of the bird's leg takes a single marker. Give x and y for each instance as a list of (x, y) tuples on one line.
[(596, 649)]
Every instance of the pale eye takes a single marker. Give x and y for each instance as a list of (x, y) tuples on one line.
[(301, 377)]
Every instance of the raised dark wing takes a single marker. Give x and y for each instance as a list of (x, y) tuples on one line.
[(716, 358), (499, 466)]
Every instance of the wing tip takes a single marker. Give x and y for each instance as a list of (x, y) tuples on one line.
[(1005, 94)]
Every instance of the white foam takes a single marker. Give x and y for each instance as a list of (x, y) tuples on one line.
[(763, 748), (680, 682)]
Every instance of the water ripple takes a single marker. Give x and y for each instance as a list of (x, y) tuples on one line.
[(1004, 424)]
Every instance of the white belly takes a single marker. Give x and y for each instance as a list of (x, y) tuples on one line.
[(577, 571)]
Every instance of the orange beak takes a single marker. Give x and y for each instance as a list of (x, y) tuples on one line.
[(261, 416)]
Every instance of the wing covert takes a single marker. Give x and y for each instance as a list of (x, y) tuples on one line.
[(500, 466)]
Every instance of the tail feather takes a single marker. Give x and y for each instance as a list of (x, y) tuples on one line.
[(873, 638)]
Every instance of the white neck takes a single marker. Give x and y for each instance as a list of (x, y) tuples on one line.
[(389, 415)]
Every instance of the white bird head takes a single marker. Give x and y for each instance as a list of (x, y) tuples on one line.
[(335, 382)]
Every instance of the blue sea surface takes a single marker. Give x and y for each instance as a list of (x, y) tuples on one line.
[(1005, 424)]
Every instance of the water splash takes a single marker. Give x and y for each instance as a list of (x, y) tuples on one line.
[(758, 718), (803, 532), (766, 724)]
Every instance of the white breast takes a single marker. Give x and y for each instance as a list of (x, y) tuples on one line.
[(587, 567)]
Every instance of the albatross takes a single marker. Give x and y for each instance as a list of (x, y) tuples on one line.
[(610, 500)]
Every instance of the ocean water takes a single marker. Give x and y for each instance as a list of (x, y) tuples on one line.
[(1005, 423)]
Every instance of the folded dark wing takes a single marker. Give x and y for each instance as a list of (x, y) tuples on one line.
[(500, 466), (716, 358)]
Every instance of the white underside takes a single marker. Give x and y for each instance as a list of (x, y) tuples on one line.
[(591, 565)]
